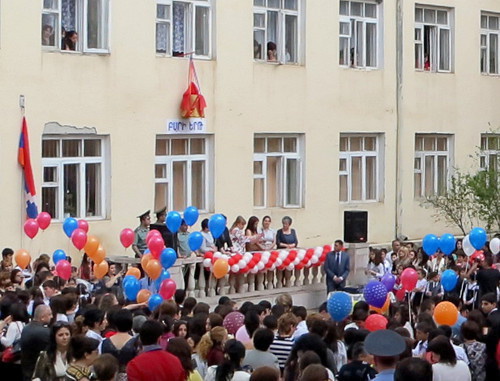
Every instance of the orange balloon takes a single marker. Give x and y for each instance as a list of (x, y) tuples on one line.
[(145, 259), (101, 269), (22, 258), (91, 246), (143, 296), (221, 268), (153, 269), (384, 308), (134, 271), (446, 313), (99, 255)]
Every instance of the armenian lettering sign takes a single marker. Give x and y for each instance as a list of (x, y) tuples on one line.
[(187, 126)]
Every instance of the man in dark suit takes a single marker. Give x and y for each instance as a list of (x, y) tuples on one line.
[(336, 267)]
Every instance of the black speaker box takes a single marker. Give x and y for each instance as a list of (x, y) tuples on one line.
[(355, 226)]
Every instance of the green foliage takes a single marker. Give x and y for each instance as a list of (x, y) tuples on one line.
[(485, 187)]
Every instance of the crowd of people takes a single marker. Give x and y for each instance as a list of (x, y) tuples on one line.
[(84, 329)]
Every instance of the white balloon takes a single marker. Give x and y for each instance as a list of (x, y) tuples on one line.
[(495, 246), (296, 261), (254, 270), (318, 251), (235, 268), (266, 254), (278, 262), (283, 254), (225, 256), (247, 256), (290, 267), (308, 264), (242, 263), (314, 259), (260, 265), (264, 260), (207, 262), (217, 254), (467, 246), (301, 254)]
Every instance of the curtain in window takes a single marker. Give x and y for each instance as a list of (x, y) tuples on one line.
[(68, 15), (179, 15)]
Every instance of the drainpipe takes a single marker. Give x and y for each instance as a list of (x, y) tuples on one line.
[(399, 118)]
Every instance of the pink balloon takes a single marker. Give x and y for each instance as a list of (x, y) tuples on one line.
[(63, 269), (31, 228), (127, 237), (156, 245), (79, 238), (84, 225), (151, 234), (167, 289), (44, 220), (409, 279)]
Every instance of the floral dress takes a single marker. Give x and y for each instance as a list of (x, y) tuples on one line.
[(476, 352), (239, 240)]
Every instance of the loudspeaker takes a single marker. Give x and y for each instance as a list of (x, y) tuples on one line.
[(355, 226)]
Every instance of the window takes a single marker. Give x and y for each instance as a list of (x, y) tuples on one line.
[(433, 40), (277, 171), (490, 152), (359, 163), (489, 43), (432, 164), (79, 25), (276, 26), (183, 27), (358, 34), (74, 176), (183, 172)]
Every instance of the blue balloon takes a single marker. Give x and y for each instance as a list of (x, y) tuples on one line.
[(388, 280), (147, 251), (131, 288), (128, 278), (154, 301), (174, 221), (449, 280), (191, 215), (430, 244), (477, 238), (375, 293), (447, 243), (58, 255), (339, 305), (165, 274), (217, 224), (69, 226), (195, 240), (168, 257)]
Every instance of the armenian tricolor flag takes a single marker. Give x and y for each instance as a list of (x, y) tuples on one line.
[(24, 159)]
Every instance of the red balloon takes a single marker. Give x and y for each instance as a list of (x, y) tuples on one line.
[(84, 225), (400, 294), (43, 220), (31, 227), (79, 238), (167, 289), (375, 322), (127, 237), (409, 279), (151, 234), (156, 245), (63, 269)]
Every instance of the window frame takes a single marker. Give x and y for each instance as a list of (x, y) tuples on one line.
[(487, 32), (169, 160), (81, 21), (435, 59), (348, 155), (422, 154), (281, 33), (282, 191), (60, 162), (364, 20), (192, 5), (486, 153)]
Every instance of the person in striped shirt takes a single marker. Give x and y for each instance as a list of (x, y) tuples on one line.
[(283, 342)]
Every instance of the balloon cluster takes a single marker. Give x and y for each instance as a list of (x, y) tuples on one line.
[(446, 243), (475, 240), (221, 264), (472, 242)]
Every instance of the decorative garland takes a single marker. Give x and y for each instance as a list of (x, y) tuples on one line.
[(256, 262)]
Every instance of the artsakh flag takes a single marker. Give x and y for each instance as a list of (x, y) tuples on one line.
[(24, 159), (193, 103)]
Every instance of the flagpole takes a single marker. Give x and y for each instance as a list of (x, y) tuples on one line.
[(23, 209)]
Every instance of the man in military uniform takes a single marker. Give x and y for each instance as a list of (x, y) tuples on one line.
[(140, 245), (169, 238)]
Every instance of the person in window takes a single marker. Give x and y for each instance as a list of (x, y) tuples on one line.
[(272, 54), (286, 238), (70, 40), (47, 35), (253, 235)]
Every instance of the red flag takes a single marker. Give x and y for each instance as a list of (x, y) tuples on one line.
[(193, 103), (24, 159)]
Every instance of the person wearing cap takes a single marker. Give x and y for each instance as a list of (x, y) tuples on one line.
[(385, 346), (169, 238), (140, 244)]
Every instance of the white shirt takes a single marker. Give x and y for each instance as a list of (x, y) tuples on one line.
[(237, 376), (444, 372), (300, 330), (94, 335), (268, 237), (460, 353), (351, 325), (208, 242), (13, 333)]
